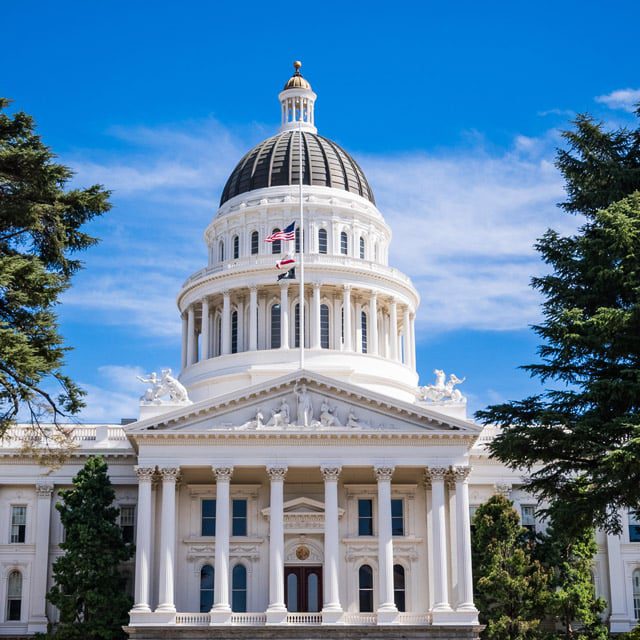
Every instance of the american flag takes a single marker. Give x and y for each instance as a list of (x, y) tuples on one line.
[(288, 234)]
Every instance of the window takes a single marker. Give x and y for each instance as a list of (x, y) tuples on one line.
[(236, 247), (324, 326), (528, 513), (298, 240), (398, 587), (275, 326), (296, 327), (234, 332), (218, 335), (636, 594), (361, 248), (634, 526), (239, 520), (18, 523), (239, 588), (344, 243), (276, 246), (363, 326), (255, 243), (322, 241), (206, 588), (208, 519), (365, 517), (220, 251), (397, 517), (365, 588), (128, 522), (14, 596)]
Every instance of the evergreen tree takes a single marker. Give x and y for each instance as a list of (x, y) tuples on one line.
[(89, 588), (572, 600), (40, 229), (510, 585), (581, 438)]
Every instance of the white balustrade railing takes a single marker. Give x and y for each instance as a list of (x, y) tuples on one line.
[(248, 619), (414, 618), (20, 434), (304, 618), (360, 618), (193, 619)]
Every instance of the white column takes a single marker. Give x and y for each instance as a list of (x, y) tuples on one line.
[(225, 340), (221, 610), (315, 317), (331, 609), (284, 315), (619, 617), (346, 308), (463, 522), (253, 318), (204, 332), (357, 307), (413, 340), (38, 614), (167, 540), (143, 539), (241, 345), (393, 330), (406, 322), (184, 339), (387, 610), (439, 540), (191, 335), (337, 324), (277, 611), (372, 342)]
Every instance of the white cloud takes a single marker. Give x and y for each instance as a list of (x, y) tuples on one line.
[(625, 99)]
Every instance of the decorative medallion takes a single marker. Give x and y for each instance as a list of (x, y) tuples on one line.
[(302, 552)]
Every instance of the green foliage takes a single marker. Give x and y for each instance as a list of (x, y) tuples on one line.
[(572, 601), (634, 634), (510, 585), (88, 585), (580, 439), (40, 230)]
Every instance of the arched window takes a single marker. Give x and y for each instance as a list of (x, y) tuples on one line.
[(206, 588), (276, 246), (221, 251), (239, 588), (344, 243), (14, 596), (255, 243), (322, 241), (234, 332), (324, 326), (275, 326), (236, 247), (398, 587), (361, 248), (296, 327), (365, 588), (363, 325), (636, 594)]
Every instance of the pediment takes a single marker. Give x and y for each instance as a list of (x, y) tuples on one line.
[(302, 506), (303, 402)]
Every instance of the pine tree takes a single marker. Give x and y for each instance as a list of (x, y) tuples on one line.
[(40, 229), (580, 439), (88, 584), (510, 585), (572, 600)]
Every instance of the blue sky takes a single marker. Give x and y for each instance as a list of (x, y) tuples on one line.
[(453, 110)]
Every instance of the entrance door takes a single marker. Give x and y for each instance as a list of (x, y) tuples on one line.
[(303, 588)]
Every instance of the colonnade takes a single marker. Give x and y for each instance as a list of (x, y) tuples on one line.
[(276, 612), (338, 318)]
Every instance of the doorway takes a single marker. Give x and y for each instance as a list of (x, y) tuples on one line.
[(303, 588)]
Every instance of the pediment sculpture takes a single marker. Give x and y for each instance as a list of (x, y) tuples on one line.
[(442, 390), (164, 389)]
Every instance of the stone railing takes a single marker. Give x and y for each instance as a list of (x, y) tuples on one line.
[(360, 618), (93, 434), (304, 618), (248, 619), (193, 619)]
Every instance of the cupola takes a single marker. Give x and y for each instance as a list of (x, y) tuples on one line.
[(297, 101)]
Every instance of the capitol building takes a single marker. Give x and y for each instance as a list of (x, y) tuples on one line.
[(294, 480)]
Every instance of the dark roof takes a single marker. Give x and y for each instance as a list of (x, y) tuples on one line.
[(275, 162)]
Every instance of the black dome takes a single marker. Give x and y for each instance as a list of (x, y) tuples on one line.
[(275, 162)]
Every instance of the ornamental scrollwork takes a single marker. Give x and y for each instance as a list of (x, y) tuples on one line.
[(223, 473), (330, 473), (438, 473), (277, 473), (145, 473), (169, 473), (383, 473)]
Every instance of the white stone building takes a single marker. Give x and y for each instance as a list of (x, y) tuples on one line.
[(288, 499)]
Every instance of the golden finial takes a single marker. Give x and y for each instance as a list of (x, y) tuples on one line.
[(296, 65)]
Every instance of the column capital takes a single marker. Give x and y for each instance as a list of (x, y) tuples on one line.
[(316, 286), (253, 287), (373, 295), (437, 473), (277, 472), (223, 474), (330, 472), (44, 490), (284, 284), (226, 293), (347, 288), (383, 473), (145, 473), (460, 474), (169, 474)]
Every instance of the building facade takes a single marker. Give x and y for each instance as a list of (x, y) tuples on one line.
[(279, 492)]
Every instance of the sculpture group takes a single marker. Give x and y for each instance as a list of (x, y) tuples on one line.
[(443, 390), (165, 385)]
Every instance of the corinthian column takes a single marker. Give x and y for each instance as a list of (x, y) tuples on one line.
[(439, 540), (167, 540), (387, 610), (221, 611), (393, 330), (315, 317), (191, 336), (225, 327), (204, 333), (143, 539), (277, 611), (331, 609), (465, 579), (372, 342)]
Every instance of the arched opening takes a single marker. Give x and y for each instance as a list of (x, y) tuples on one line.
[(221, 251), (275, 326), (236, 247), (362, 248), (206, 588), (276, 245), (399, 587), (344, 243), (365, 588), (255, 243), (239, 588), (322, 241), (14, 596), (324, 326)]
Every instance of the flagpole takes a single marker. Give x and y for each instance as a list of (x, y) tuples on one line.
[(301, 303)]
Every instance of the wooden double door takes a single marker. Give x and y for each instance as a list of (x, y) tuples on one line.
[(303, 588)]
